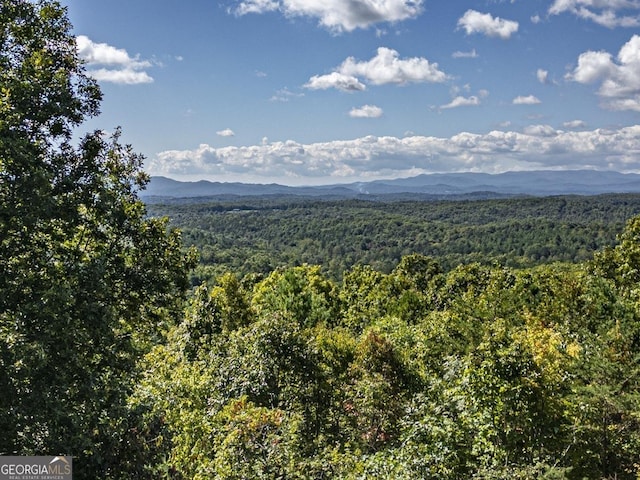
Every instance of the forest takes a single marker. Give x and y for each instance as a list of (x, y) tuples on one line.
[(450, 339), (478, 372), (295, 339), (257, 235)]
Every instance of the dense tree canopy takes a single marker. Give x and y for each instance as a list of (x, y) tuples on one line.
[(257, 235), (479, 372), (87, 283), (414, 361)]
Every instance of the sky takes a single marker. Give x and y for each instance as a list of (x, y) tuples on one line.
[(304, 92)]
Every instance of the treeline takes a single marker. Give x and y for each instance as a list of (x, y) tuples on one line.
[(260, 234), (420, 373)]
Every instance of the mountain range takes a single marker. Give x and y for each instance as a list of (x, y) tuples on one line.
[(536, 183)]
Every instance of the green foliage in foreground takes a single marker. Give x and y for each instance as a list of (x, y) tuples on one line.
[(479, 372), (88, 283), (258, 235)]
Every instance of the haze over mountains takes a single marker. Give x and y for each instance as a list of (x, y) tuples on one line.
[(538, 183)]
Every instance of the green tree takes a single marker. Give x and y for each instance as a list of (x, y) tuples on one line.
[(87, 282), (622, 262), (413, 283), (301, 294), (364, 297), (375, 396), (222, 309)]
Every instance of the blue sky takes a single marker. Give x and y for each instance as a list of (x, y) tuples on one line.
[(329, 91)]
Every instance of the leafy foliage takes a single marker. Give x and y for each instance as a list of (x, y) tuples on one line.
[(332, 339), (254, 235), (88, 283), (479, 372)]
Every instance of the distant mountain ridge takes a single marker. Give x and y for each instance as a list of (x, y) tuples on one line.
[(537, 183)]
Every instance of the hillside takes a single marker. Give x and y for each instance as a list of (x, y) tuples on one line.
[(539, 183), (259, 234)]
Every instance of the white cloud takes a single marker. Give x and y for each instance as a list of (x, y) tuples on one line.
[(592, 66), (338, 15), (104, 54), (461, 101), (110, 64), (608, 13), (574, 124), (346, 83), (537, 147), (471, 54), (540, 131), (257, 6), (227, 132), (543, 76), (366, 111), (475, 22), (619, 79), (125, 76), (385, 68), (526, 100)]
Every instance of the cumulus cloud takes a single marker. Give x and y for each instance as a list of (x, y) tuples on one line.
[(366, 111), (619, 78), (526, 100), (608, 13), (574, 124), (256, 6), (461, 101), (125, 76), (476, 22), (338, 15), (540, 131), (227, 132), (346, 83), (110, 64), (385, 68), (537, 147), (592, 66)]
